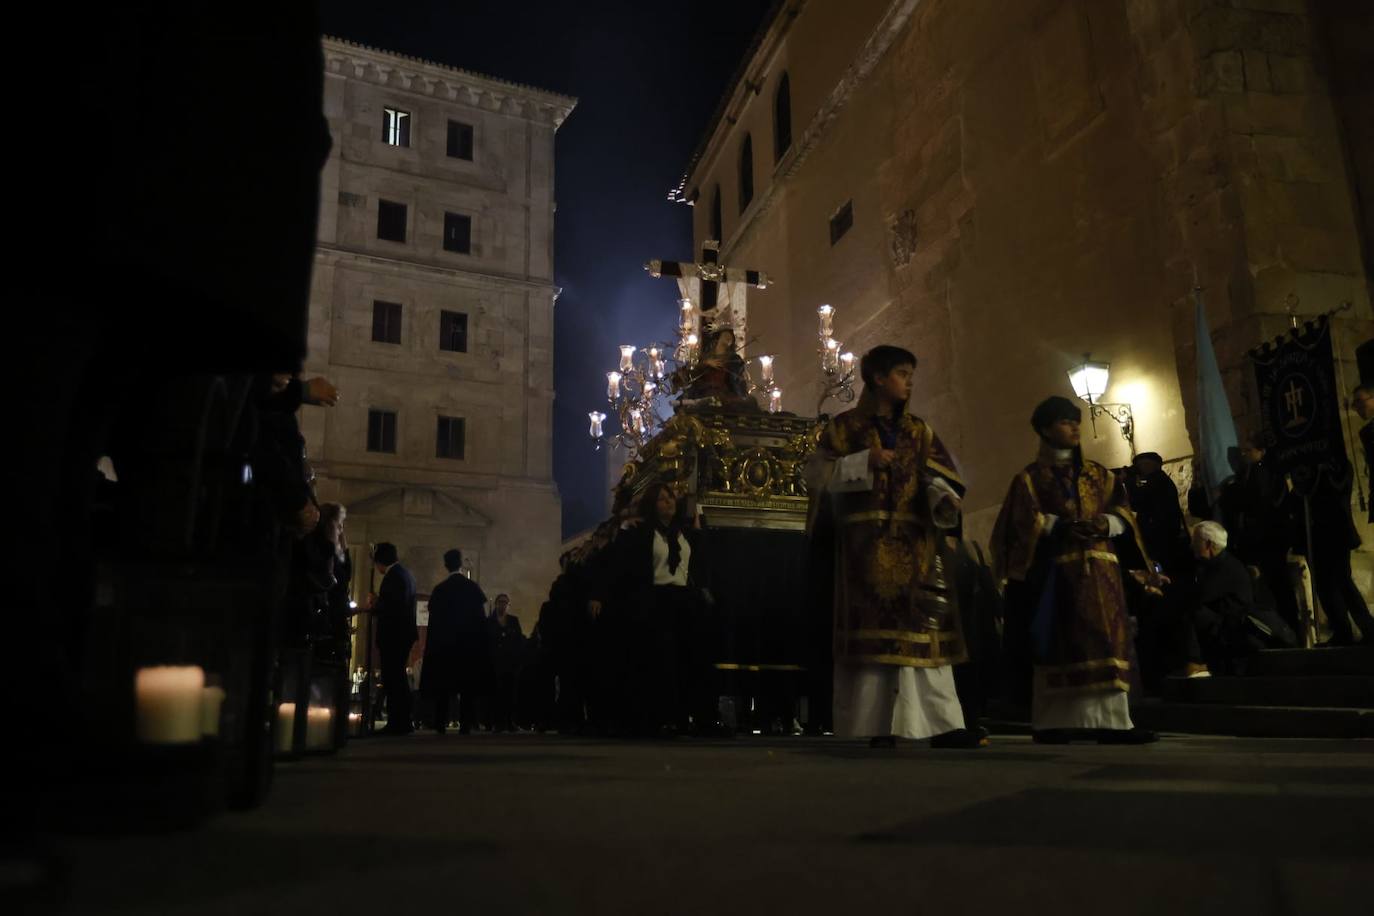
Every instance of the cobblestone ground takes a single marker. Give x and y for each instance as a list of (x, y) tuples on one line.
[(542, 824)]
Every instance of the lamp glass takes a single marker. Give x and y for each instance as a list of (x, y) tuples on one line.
[(1089, 380)]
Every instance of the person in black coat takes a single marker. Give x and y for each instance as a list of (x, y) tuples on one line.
[(1334, 536), (394, 609), (1233, 612), (455, 647), (506, 641), (1154, 499), (656, 578), (1252, 506), (338, 598)]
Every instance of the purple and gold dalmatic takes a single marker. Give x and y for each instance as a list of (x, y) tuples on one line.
[(1080, 605), (891, 604)]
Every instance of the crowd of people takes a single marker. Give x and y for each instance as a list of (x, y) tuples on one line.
[(1105, 588)]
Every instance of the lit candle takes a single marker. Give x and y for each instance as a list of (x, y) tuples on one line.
[(637, 420), (831, 356), (692, 341), (827, 316), (613, 385), (597, 417), (775, 400), (686, 318), (655, 361), (650, 389), (627, 357), (211, 699), (766, 365), (286, 727), (319, 728), (168, 704), (847, 363)]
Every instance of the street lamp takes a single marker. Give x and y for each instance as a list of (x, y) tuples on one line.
[(1089, 381)]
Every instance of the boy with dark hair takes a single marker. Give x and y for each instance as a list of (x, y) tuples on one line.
[(884, 495), (1052, 545)]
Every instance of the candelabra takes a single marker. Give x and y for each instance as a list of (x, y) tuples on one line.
[(837, 364), (648, 379)]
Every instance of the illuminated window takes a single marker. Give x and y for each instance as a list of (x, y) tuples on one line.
[(396, 127)]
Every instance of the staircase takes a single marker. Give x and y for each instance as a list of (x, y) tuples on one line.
[(1284, 693)]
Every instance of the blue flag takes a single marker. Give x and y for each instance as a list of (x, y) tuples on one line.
[(1216, 425)]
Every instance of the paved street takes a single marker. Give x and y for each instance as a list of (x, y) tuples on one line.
[(488, 824)]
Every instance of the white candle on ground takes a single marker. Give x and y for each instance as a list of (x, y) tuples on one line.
[(286, 727), (167, 704), (319, 728), (211, 698)]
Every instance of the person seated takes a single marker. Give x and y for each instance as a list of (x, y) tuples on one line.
[(1231, 623), (656, 576)]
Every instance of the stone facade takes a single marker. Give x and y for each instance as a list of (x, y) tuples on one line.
[(1032, 181), (498, 502)]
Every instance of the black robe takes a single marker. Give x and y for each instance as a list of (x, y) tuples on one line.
[(456, 657)]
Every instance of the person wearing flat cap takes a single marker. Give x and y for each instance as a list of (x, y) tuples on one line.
[(1052, 544)]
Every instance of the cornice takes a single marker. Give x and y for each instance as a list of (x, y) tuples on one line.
[(337, 253), (865, 62), (747, 79), (440, 81)]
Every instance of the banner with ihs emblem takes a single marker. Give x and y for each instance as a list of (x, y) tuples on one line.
[(1300, 405)]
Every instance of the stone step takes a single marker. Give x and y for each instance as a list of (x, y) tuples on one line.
[(1346, 691), (1255, 721), (1348, 660)]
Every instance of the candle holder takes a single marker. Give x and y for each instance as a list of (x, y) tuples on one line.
[(837, 367)]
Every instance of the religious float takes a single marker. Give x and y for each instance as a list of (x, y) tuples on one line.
[(704, 416)]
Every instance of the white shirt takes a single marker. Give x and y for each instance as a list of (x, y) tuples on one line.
[(661, 574)]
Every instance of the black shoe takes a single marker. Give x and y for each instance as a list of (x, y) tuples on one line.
[(1126, 736), (882, 741), (1053, 735), (962, 738)]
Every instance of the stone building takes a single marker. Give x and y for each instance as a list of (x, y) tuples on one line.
[(432, 310), (1003, 187)]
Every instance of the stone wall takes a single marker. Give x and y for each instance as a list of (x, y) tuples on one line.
[(1037, 180), (498, 503)]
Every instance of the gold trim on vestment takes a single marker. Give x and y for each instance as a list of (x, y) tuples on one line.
[(1092, 665), (732, 666), (922, 636), (879, 515), (906, 661), (1093, 554), (944, 471), (1094, 687)]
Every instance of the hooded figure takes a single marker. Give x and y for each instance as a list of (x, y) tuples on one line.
[(885, 493), (1052, 544)]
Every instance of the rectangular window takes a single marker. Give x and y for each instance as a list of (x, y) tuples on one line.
[(386, 322), (453, 332), (460, 140), (381, 431), (391, 221), (396, 127), (451, 437), (841, 221), (458, 233)]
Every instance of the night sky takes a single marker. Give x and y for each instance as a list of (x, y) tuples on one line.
[(648, 76)]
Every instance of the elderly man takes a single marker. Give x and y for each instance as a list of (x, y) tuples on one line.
[(1233, 613)]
